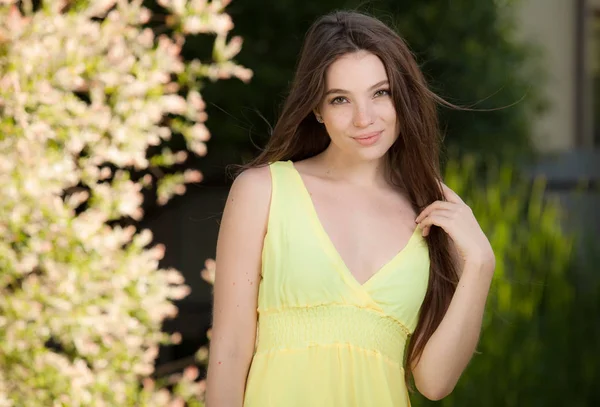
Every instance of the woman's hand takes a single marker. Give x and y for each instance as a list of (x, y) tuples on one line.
[(458, 221)]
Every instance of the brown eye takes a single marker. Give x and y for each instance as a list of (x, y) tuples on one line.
[(338, 100), (382, 92)]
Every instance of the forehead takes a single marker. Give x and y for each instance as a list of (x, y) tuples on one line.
[(355, 71)]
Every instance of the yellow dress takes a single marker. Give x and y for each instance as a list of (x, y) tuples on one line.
[(323, 338)]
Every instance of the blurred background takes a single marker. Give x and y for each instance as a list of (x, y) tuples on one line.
[(541, 58), (529, 168)]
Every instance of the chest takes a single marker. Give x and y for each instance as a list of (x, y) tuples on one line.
[(367, 227)]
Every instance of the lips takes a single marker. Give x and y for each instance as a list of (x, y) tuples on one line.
[(369, 138), (368, 135)]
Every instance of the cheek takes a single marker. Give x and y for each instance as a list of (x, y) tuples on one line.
[(390, 118), (389, 114), (338, 119)]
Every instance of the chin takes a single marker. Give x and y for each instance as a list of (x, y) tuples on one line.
[(373, 153)]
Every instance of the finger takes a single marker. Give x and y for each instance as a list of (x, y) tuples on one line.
[(449, 213), (450, 195), (437, 205), (437, 219), (426, 230), (438, 215)]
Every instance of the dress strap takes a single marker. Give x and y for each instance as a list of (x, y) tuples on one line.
[(285, 195), (283, 183)]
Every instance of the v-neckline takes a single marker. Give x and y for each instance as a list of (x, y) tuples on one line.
[(322, 232)]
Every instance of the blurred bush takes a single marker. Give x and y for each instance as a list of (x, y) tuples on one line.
[(88, 95), (539, 343)]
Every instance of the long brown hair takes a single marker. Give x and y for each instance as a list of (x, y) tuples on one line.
[(413, 160)]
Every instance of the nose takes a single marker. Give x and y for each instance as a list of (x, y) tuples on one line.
[(363, 115)]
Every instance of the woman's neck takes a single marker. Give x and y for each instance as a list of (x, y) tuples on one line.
[(366, 173)]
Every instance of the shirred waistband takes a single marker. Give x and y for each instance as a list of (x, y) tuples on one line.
[(294, 328)]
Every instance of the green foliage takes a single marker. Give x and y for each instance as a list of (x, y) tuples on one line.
[(470, 54), (537, 343)]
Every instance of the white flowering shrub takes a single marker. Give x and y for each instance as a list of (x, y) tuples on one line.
[(87, 89)]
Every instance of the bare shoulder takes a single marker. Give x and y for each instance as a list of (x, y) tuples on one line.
[(247, 207), (244, 223), (252, 186)]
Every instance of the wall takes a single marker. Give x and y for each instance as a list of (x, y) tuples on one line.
[(551, 25)]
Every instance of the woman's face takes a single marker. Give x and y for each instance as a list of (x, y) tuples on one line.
[(357, 110)]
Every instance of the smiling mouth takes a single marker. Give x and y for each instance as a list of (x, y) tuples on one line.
[(368, 139), (368, 136)]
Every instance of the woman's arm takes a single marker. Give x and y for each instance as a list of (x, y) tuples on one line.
[(451, 346), (237, 277)]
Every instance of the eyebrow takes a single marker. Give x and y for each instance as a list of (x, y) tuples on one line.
[(378, 84)]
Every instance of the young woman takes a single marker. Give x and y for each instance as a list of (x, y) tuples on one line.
[(344, 265)]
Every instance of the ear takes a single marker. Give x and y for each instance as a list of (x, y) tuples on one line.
[(318, 115)]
